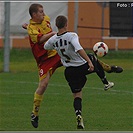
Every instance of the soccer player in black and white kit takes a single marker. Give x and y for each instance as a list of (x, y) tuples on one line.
[(78, 64)]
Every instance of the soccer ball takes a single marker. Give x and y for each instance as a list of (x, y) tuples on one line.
[(100, 49)]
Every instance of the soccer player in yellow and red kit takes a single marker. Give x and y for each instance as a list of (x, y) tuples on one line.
[(39, 31)]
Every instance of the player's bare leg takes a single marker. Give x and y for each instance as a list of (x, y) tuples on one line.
[(38, 97)]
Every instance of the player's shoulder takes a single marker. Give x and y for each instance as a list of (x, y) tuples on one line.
[(31, 25), (72, 34), (32, 28)]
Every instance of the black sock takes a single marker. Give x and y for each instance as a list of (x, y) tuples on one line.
[(104, 80), (77, 105), (98, 69), (100, 72)]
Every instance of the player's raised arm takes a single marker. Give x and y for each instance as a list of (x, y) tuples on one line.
[(44, 38)]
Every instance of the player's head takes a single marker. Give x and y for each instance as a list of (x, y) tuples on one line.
[(61, 22), (36, 12)]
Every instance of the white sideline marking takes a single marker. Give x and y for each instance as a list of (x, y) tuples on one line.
[(62, 85)]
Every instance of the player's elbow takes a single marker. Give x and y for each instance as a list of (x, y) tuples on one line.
[(45, 47)]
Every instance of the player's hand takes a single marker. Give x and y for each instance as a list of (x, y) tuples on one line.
[(24, 26), (91, 67)]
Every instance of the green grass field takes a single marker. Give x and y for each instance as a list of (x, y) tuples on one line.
[(110, 110)]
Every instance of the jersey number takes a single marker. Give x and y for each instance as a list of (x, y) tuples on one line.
[(67, 57)]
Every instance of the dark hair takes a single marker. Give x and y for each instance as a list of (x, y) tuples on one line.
[(61, 21), (34, 8)]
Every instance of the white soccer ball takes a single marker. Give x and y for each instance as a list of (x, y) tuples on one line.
[(100, 49)]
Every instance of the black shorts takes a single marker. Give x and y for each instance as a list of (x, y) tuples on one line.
[(76, 77)]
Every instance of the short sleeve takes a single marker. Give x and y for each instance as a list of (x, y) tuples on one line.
[(75, 42)]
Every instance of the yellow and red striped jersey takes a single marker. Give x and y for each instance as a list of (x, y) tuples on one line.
[(36, 31)]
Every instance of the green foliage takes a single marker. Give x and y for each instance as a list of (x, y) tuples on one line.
[(102, 110)]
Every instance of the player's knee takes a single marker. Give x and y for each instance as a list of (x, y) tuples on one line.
[(41, 89), (92, 57), (77, 94)]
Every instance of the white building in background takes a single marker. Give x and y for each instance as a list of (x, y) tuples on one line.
[(19, 14)]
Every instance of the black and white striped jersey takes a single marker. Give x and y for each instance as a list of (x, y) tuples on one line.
[(67, 45)]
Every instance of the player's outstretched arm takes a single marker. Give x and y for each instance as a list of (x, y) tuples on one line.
[(44, 38)]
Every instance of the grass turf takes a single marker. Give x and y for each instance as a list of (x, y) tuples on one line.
[(102, 110)]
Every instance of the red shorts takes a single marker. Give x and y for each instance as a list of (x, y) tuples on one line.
[(49, 65)]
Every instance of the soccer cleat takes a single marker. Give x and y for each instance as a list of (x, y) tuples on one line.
[(34, 120), (109, 85), (115, 69), (80, 124)]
